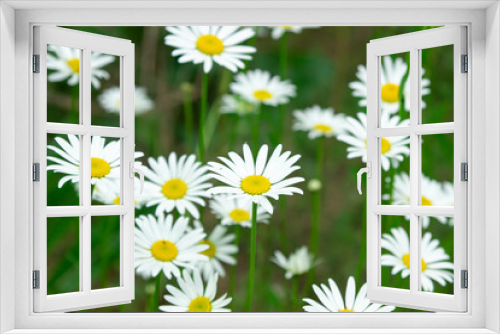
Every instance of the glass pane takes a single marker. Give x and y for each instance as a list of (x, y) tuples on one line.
[(105, 234), (63, 84), (395, 252), (437, 173), (437, 254), (105, 170), (395, 90), (437, 84), (105, 89), (63, 170), (394, 169), (63, 255)]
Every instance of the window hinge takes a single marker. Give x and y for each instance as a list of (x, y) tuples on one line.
[(36, 279), (36, 63), (36, 172), (464, 171), (465, 279), (465, 64)]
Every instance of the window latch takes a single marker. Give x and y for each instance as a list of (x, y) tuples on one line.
[(465, 279), (36, 172), (368, 171), (36, 279), (139, 171)]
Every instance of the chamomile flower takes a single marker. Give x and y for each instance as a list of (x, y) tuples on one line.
[(318, 122), (162, 245), (110, 194), (110, 100), (255, 181), (233, 104), (392, 149), (435, 266), (209, 44), (193, 296), (331, 299), (299, 262), (65, 63), (236, 211), (393, 71), (104, 161), (177, 184), (278, 31), (221, 249), (258, 86), (433, 193)]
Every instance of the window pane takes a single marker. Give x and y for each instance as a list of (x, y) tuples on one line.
[(105, 89), (63, 84), (63, 255), (437, 84), (394, 169), (105, 234), (105, 170), (395, 252), (63, 170)]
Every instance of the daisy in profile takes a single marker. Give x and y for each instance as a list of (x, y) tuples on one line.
[(256, 181), (233, 211), (393, 71), (177, 184), (110, 100), (162, 245), (318, 122), (260, 87), (233, 104), (209, 44), (221, 249), (330, 299), (435, 266), (193, 296), (278, 31), (110, 195), (392, 149), (65, 64), (433, 194), (299, 262), (104, 161)]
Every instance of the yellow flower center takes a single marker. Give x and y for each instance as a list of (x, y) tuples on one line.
[(426, 201), (74, 64), (99, 167), (174, 189), (287, 27), (117, 200), (200, 304), (210, 252), (346, 310), (255, 184), (390, 93), (262, 94), (406, 261), (323, 128), (164, 251), (385, 145), (239, 215), (210, 45)]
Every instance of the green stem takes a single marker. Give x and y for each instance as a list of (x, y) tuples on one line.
[(75, 92), (188, 113), (203, 116), (295, 293), (256, 127), (283, 56), (157, 295), (233, 131), (253, 249), (232, 276), (282, 228), (362, 248)]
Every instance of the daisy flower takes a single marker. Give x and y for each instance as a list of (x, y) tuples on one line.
[(177, 184), (104, 161), (162, 245), (331, 299), (318, 122), (65, 62), (392, 149), (193, 296), (391, 76), (232, 104), (110, 100), (278, 31), (434, 259), (209, 44), (433, 194), (110, 195), (220, 250), (236, 211), (258, 86), (255, 181), (299, 262)]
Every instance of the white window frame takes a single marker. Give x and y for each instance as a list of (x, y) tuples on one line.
[(483, 21)]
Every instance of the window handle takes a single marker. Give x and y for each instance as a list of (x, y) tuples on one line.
[(368, 171), (139, 171)]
